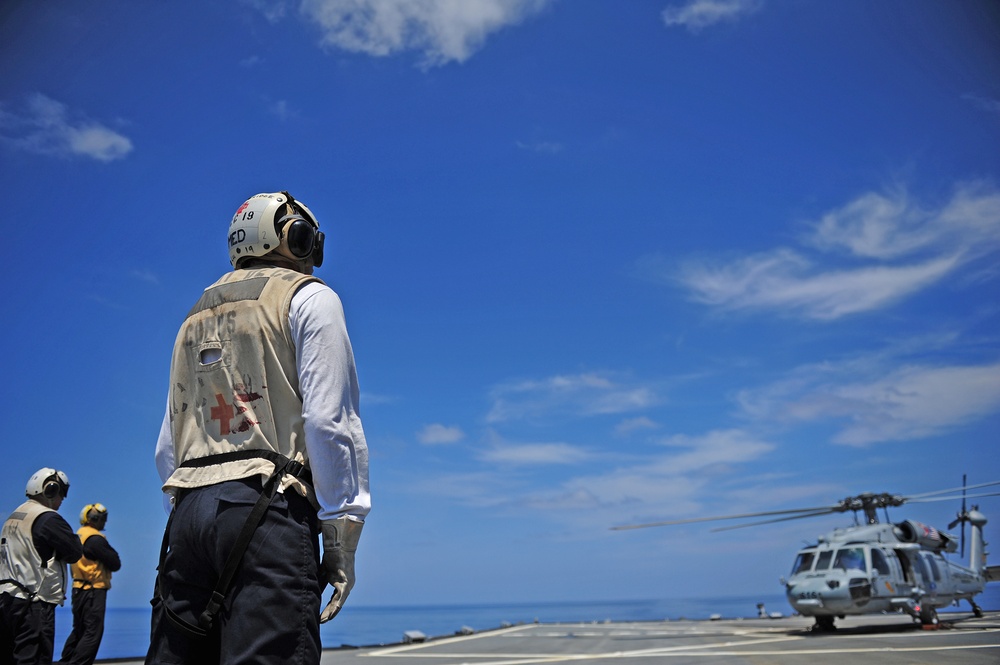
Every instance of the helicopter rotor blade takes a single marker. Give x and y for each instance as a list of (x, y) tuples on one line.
[(693, 520), (952, 498), (953, 490), (862, 502), (780, 519)]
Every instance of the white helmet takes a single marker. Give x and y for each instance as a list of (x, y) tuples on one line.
[(48, 483), (259, 224)]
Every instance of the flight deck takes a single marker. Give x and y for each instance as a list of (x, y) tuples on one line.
[(884, 639)]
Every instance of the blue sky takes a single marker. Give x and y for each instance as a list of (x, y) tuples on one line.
[(602, 263)]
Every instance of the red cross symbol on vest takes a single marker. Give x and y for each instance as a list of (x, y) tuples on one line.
[(223, 413)]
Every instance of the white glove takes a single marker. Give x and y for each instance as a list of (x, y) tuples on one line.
[(340, 542)]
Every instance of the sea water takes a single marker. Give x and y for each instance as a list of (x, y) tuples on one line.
[(126, 633)]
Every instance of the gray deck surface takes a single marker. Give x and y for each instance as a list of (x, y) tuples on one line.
[(882, 639)]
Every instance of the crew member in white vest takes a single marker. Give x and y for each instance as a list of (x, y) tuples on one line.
[(36, 545), (261, 450)]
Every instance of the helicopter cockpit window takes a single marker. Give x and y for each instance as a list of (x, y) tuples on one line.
[(824, 560), (803, 562), (879, 562), (850, 558)]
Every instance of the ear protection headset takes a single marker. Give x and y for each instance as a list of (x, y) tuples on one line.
[(53, 487), (304, 239)]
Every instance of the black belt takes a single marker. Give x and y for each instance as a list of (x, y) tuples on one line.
[(282, 466)]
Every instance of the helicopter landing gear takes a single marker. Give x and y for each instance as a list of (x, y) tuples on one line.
[(928, 617), (824, 624), (976, 609)]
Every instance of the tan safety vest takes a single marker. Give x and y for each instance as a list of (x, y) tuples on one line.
[(234, 384), (87, 573), (39, 580)]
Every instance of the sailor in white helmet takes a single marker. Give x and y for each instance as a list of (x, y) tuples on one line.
[(261, 451), (36, 545)]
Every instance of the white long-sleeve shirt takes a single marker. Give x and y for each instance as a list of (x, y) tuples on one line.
[(328, 383)]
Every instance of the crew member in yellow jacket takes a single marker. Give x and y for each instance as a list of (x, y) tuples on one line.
[(91, 581)]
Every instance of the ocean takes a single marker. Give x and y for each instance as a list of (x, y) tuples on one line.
[(127, 629)]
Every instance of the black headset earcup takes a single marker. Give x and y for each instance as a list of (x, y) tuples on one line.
[(317, 252), (51, 489), (301, 237)]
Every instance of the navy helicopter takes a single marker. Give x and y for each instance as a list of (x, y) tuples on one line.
[(879, 567)]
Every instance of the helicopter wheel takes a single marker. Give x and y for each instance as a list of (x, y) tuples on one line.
[(824, 624), (928, 616)]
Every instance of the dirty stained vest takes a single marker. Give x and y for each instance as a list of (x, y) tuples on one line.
[(87, 573), (39, 580), (233, 380)]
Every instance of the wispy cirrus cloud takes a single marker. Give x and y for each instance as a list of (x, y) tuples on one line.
[(984, 103), (47, 127), (892, 224), (577, 395), (872, 401), (872, 252), (534, 454), (785, 280), (662, 484), (696, 15), (443, 30)]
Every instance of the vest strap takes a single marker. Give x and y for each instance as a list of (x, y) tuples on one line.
[(281, 462), (31, 594)]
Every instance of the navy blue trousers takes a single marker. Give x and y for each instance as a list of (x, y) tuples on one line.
[(271, 612), (88, 626), (27, 631)]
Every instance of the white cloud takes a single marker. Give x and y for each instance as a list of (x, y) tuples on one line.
[(437, 434), (662, 485), (699, 14), (904, 248), (577, 395), (273, 10), (45, 127), (984, 103), (534, 454), (483, 489), (444, 30), (283, 110), (781, 280), (630, 425), (891, 225), (878, 404)]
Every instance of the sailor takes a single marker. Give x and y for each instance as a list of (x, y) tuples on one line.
[(91, 581), (261, 450), (36, 544)]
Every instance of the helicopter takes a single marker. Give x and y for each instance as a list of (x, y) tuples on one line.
[(879, 567)]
